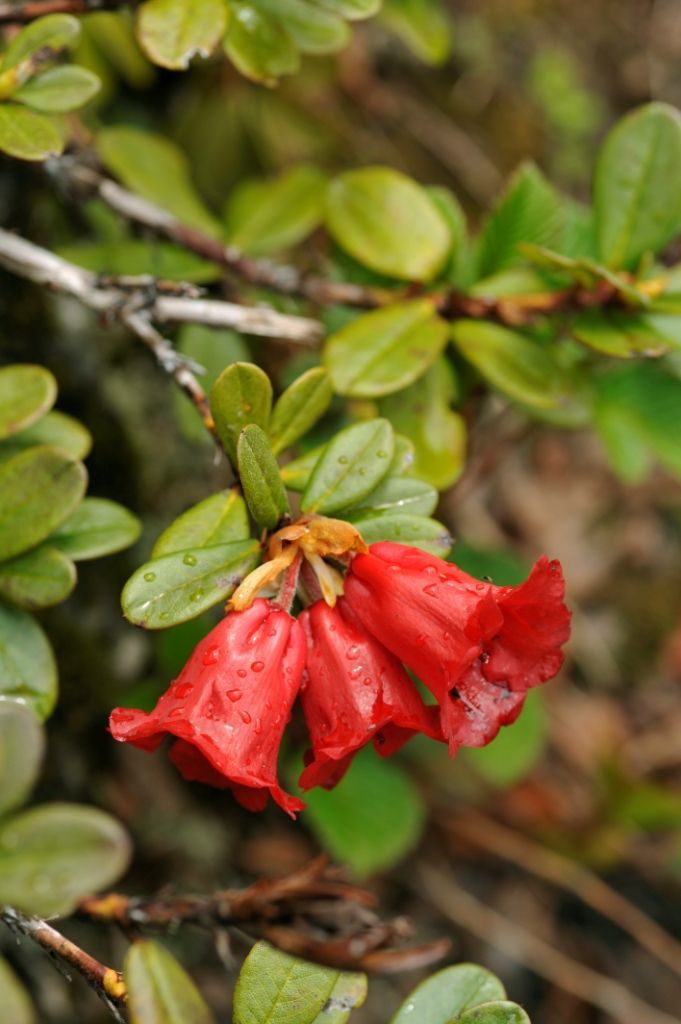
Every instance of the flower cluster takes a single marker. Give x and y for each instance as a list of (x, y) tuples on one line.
[(477, 647)]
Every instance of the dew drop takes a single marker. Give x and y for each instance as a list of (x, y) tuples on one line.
[(164, 615), (245, 717), (356, 671), (420, 640), (176, 713), (258, 666), (361, 471), (150, 577), (367, 681), (381, 454), (268, 705), (258, 726), (211, 656), (234, 695), (343, 459), (479, 586), (197, 595), (430, 570), (352, 653), (183, 690), (431, 590), (189, 559), (272, 632), (242, 673)]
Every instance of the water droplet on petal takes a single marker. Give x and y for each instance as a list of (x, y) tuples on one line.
[(352, 653), (430, 570), (183, 690), (175, 712), (367, 681), (242, 673), (258, 666), (431, 590), (479, 586), (234, 695), (245, 717), (356, 671), (211, 656)]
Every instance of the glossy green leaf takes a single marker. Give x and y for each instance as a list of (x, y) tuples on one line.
[(352, 465), (39, 578), (39, 488), (385, 350), (58, 90), (387, 222), (97, 527), (266, 216), (156, 169), (22, 744), (275, 988), (347, 994), (258, 44), (425, 27), (493, 1013), (28, 672), (27, 392), (516, 749), (220, 519), (242, 394), (171, 32), (528, 211), (54, 32), (26, 134), (372, 818), (159, 989), (399, 494), (296, 473), (180, 586), (515, 364), (422, 413), (299, 408), (403, 528), (57, 429), (259, 475), (636, 201), (53, 856), (16, 1002), (448, 993)]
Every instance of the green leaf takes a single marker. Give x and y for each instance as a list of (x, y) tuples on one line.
[(347, 994), (37, 579), (516, 749), (275, 988), (132, 256), (459, 269), (59, 89), (156, 169), (399, 494), (27, 392), (371, 819), (519, 366), (171, 32), (28, 672), (258, 45), (422, 414), (180, 586), (423, 25), (636, 201), (620, 334), (213, 350), (493, 1013), (22, 744), (16, 1002), (296, 473), (220, 519), (39, 488), (259, 475), (403, 458), (299, 408), (56, 429), (54, 32), (266, 216), (242, 394), (403, 528), (528, 211), (385, 350), (448, 993), (26, 134), (97, 527), (312, 29), (159, 989), (53, 856), (388, 222), (352, 465), (351, 9)]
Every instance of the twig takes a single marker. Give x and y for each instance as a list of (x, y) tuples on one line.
[(18, 12), (514, 941), (504, 842), (46, 268), (106, 982)]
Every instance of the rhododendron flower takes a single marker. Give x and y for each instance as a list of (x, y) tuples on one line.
[(229, 706), (354, 692), (476, 646)]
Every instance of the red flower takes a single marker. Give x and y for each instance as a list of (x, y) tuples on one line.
[(354, 692), (478, 647), (229, 706)]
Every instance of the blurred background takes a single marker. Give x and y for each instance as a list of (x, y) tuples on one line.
[(498, 849)]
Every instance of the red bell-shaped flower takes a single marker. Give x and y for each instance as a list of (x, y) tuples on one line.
[(477, 647), (354, 692), (229, 706)]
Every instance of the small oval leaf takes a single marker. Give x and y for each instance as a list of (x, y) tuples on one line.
[(171, 32), (399, 494), (242, 394), (259, 474), (22, 743), (59, 90), (402, 528), (56, 429), (16, 1002), (178, 587), (53, 856), (448, 993), (27, 392), (28, 672), (39, 578), (352, 465), (265, 216), (258, 45), (387, 222), (299, 408), (159, 989), (27, 135), (97, 527), (220, 519), (500, 1012), (53, 33)]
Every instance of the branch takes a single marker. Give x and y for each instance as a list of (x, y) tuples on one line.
[(18, 12), (106, 982)]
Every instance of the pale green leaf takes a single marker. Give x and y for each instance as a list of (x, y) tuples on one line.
[(352, 465), (26, 134), (27, 392), (171, 32), (159, 989), (448, 993), (22, 744), (219, 519), (58, 90), (39, 578), (299, 407), (266, 216), (28, 672), (97, 527)]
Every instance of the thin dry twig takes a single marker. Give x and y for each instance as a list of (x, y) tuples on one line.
[(468, 912), (105, 981), (501, 841)]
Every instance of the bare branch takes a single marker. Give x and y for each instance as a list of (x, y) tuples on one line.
[(106, 982)]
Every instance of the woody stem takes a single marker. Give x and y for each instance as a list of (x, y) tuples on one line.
[(289, 584)]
